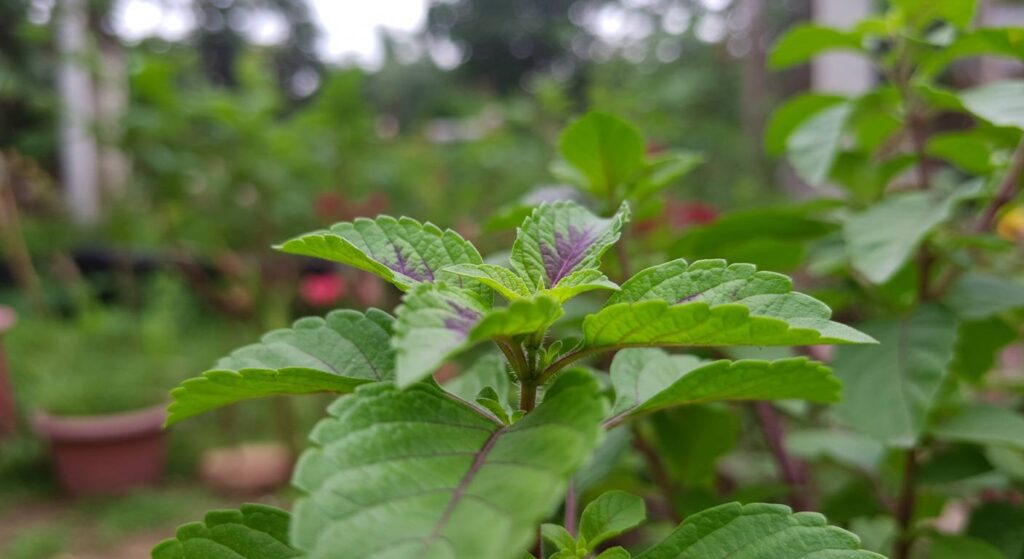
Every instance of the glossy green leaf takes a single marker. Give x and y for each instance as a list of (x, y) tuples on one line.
[(882, 238), (976, 296), (616, 552), (986, 41), (416, 473), (923, 12), (790, 115), (331, 354), (506, 282), (402, 251), (609, 515), (889, 390), (813, 146), (252, 532), (773, 238), (690, 441), (436, 322), (978, 344), (1001, 103), (803, 42), (983, 424), (711, 303), (559, 537), (757, 531), (604, 149), (961, 547), (663, 171), (844, 447), (967, 150), (562, 238), (649, 379), (578, 282)]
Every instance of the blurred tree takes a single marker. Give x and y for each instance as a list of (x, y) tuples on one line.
[(501, 42), (26, 83), (219, 36)]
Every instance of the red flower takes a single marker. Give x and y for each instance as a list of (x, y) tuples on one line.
[(321, 290)]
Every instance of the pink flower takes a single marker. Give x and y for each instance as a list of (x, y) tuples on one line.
[(321, 290)]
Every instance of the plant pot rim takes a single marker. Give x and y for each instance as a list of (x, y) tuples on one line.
[(85, 428)]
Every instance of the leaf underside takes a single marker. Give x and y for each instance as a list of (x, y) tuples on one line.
[(757, 531), (418, 474), (436, 322), (889, 390), (402, 251), (331, 354), (252, 532), (647, 380), (710, 303)]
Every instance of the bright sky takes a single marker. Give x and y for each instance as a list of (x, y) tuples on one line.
[(349, 26)]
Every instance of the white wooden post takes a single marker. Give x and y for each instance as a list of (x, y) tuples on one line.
[(79, 153), (841, 72)]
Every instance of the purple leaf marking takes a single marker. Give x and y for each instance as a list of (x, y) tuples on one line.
[(463, 320), (402, 267), (567, 253)]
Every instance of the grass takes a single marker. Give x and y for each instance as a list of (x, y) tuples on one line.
[(37, 542)]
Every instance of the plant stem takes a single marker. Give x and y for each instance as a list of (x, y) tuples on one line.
[(1006, 192), (659, 472), (793, 471), (527, 395), (570, 507), (905, 507)]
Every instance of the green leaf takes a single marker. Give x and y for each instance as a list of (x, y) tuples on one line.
[(1001, 103), (882, 238), (967, 150), (609, 515), (988, 41), (690, 440), (436, 322), (844, 447), (561, 238), (486, 372), (710, 303), (961, 547), (773, 238), (814, 144), (976, 296), (803, 42), (506, 282), (252, 532), (790, 115), (578, 282), (646, 380), (889, 390), (331, 354), (999, 524), (757, 531), (923, 12), (662, 172), (607, 151), (616, 552), (416, 473), (983, 424), (559, 537), (402, 251), (978, 344)]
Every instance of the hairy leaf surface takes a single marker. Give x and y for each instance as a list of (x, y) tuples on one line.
[(252, 532), (757, 531), (647, 380), (436, 322), (561, 238), (415, 473), (890, 390), (402, 251), (710, 303), (331, 354)]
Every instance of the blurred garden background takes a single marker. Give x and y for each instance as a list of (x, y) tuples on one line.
[(153, 151)]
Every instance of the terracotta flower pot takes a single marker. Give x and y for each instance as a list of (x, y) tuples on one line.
[(106, 454)]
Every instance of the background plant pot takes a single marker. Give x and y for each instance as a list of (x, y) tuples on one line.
[(106, 454)]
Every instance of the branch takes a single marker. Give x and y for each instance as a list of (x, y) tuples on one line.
[(905, 507), (1007, 190), (793, 471)]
